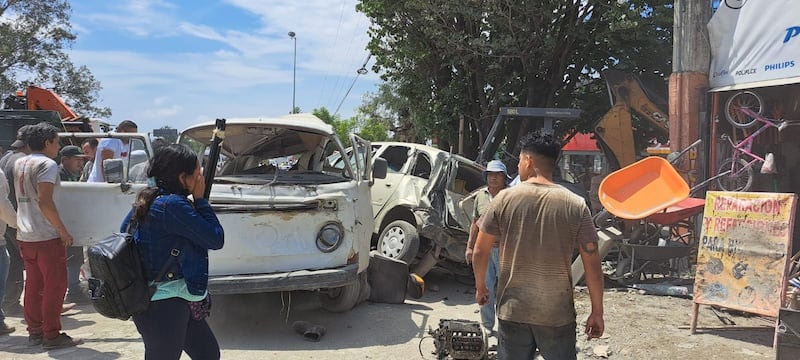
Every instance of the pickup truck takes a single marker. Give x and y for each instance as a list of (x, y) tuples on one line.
[(292, 222)]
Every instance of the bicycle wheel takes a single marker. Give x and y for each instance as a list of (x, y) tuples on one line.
[(740, 177), (743, 99)]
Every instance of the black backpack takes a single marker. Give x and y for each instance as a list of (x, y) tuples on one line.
[(118, 287)]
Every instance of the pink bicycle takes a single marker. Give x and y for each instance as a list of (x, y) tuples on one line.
[(736, 173)]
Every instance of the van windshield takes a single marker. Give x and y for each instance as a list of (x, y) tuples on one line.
[(259, 154)]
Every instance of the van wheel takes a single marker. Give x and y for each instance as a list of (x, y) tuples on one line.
[(344, 298), (399, 240)]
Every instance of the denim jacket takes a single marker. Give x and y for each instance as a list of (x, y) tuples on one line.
[(173, 222)]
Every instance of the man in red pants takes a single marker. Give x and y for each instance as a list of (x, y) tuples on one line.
[(42, 238)]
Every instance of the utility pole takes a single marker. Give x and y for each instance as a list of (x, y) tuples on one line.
[(294, 71), (688, 83)]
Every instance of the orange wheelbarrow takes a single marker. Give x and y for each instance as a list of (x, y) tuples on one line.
[(653, 192)]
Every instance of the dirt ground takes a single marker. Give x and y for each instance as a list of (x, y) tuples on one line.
[(259, 326)]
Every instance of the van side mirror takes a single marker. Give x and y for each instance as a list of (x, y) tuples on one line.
[(113, 170), (379, 168)]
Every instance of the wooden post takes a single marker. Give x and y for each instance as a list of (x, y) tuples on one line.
[(695, 314)]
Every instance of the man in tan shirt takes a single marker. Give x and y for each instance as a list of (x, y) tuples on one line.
[(538, 224)]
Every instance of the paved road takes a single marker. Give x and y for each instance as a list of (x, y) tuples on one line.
[(259, 326)]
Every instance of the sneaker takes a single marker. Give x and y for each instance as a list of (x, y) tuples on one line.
[(61, 341), (35, 339), (5, 329)]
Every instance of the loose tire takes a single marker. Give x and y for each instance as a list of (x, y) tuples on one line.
[(399, 240), (743, 99), (344, 298), (740, 177)]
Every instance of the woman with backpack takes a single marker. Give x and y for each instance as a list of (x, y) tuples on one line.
[(169, 227)]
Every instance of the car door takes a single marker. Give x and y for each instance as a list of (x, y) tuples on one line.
[(397, 158), (452, 180), (93, 211)]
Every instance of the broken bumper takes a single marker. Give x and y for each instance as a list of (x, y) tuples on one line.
[(286, 281)]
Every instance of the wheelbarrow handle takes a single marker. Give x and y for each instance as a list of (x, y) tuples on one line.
[(684, 151)]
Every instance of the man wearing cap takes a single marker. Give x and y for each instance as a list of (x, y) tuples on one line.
[(72, 159), (496, 178), (15, 282)]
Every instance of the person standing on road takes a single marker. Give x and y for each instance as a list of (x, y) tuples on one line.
[(15, 281), (168, 227), (42, 238), (7, 217), (111, 148), (538, 224), (496, 178)]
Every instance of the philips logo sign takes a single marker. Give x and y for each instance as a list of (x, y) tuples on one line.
[(790, 33), (779, 66)]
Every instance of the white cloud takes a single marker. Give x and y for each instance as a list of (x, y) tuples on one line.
[(244, 71), (139, 17), (163, 112)]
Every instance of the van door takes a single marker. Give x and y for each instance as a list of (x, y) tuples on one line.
[(93, 211)]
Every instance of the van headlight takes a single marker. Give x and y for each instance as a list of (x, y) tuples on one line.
[(330, 237)]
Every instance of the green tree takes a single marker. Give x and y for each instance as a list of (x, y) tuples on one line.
[(367, 128), (455, 58), (34, 35), (392, 111)]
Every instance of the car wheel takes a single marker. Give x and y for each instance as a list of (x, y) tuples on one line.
[(399, 240), (344, 298)]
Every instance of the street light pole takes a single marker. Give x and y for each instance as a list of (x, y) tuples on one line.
[(294, 70)]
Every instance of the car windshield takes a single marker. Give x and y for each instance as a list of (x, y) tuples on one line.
[(260, 154)]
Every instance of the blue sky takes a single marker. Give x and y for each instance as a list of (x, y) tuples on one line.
[(179, 62)]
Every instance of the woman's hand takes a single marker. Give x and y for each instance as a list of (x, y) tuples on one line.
[(199, 189)]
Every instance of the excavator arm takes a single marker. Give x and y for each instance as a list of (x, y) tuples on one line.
[(615, 131)]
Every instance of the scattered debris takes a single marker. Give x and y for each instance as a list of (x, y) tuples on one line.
[(434, 288), (309, 332), (601, 351), (664, 290)]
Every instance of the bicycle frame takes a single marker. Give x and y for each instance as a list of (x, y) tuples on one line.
[(745, 146)]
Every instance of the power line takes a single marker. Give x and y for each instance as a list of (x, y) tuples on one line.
[(330, 63), (362, 70)]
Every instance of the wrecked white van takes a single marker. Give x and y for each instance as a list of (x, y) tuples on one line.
[(292, 222)]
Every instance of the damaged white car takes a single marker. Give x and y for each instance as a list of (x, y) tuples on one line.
[(292, 221), (418, 209)]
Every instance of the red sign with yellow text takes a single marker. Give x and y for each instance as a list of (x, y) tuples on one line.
[(744, 250)]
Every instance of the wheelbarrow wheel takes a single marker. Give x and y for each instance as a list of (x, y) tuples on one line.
[(623, 275)]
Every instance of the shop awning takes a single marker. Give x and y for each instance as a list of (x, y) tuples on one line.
[(754, 43), (581, 142), (758, 84)]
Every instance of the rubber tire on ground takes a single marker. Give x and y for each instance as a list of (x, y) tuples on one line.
[(733, 115), (623, 267), (725, 166), (343, 298), (409, 243)]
